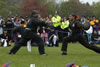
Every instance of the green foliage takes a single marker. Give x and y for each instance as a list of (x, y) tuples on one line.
[(3, 8), (51, 8), (96, 9), (6, 8), (13, 7), (73, 6), (70, 7)]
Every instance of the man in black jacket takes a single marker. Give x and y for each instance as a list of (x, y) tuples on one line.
[(9, 25), (77, 35), (18, 31), (30, 33)]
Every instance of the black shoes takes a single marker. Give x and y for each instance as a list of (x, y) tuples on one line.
[(64, 53), (43, 54), (10, 53)]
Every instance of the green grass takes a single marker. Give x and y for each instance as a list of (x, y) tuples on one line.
[(76, 53)]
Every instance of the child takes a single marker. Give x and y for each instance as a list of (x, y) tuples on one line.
[(52, 36), (5, 39), (44, 35)]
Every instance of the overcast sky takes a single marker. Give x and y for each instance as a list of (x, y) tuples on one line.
[(90, 1), (83, 1)]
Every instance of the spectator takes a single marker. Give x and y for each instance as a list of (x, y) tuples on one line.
[(9, 26), (95, 27), (16, 22), (1, 29), (96, 38), (52, 36), (89, 34), (44, 35), (5, 39)]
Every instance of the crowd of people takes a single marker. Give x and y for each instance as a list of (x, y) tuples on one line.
[(54, 30)]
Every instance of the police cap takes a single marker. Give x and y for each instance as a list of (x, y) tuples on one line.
[(35, 12)]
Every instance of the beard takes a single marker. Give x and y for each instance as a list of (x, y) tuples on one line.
[(35, 16)]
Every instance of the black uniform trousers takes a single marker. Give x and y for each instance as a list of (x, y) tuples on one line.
[(82, 40), (29, 35)]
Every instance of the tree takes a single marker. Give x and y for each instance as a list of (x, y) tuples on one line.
[(30, 5), (74, 6), (51, 8), (6, 10), (96, 9)]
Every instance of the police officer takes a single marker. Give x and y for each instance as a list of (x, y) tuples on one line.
[(56, 20), (65, 27), (77, 29), (30, 32)]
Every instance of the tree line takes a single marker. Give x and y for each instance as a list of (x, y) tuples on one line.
[(16, 7)]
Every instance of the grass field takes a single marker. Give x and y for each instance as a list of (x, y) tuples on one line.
[(76, 53)]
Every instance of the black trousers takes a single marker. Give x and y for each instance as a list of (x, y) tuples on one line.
[(82, 40), (29, 35)]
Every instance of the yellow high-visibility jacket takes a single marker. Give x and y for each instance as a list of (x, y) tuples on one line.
[(56, 21), (64, 25)]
